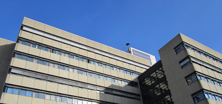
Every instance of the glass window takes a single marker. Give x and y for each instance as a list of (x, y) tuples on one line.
[(36, 95), (15, 91), (64, 99), (114, 68), (88, 74), (30, 59), (89, 102), (185, 62), (40, 62), (45, 63), (18, 56), (179, 48), (83, 72), (79, 101), (84, 60), (80, 59), (75, 101), (24, 57), (41, 95), (107, 66), (75, 70), (97, 76), (99, 64), (28, 93), (100, 77), (75, 57), (35, 60), (71, 56), (84, 102), (93, 75), (47, 49), (58, 98), (91, 62), (61, 67), (69, 100), (80, 72), (53, 97), (66, 68), (47, 96), (209, 80), (34, 45), (111, 68), (9, 90)]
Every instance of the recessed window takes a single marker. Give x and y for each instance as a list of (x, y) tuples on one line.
[(185, 62)]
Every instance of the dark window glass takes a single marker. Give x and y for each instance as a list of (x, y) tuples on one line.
[(179, 48), (22, 92), (9, 90)]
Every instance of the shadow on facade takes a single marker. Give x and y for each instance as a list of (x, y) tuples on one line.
[(6, 51)]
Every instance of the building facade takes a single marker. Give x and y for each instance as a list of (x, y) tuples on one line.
[(52, 66), (47, 65)]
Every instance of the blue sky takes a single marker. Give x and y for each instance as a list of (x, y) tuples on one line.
[(146, 24)]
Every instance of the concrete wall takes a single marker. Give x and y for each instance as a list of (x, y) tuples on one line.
[(6, 50)]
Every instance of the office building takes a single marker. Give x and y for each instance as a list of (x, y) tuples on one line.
[(49, 66), (192, 74)]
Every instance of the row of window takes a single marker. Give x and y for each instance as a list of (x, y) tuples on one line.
[(202, 95), (195, 77), (41, 95), (56, 51), (108, 91), (74, 70), (187, 46)]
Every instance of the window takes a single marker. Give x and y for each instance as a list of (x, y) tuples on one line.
[(179, 48), (53, 97), (69, 100), (191, 79), (15, 91), (9, 90), (64, 99), (75, 101), (185, 62), (47, 96), (41, 95), (58, 98), (198, 97), (28, 93)]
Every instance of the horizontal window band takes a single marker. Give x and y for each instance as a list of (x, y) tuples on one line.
[(80, 46), (19, 90), (68, 66), (69, 82), (50, 48)]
